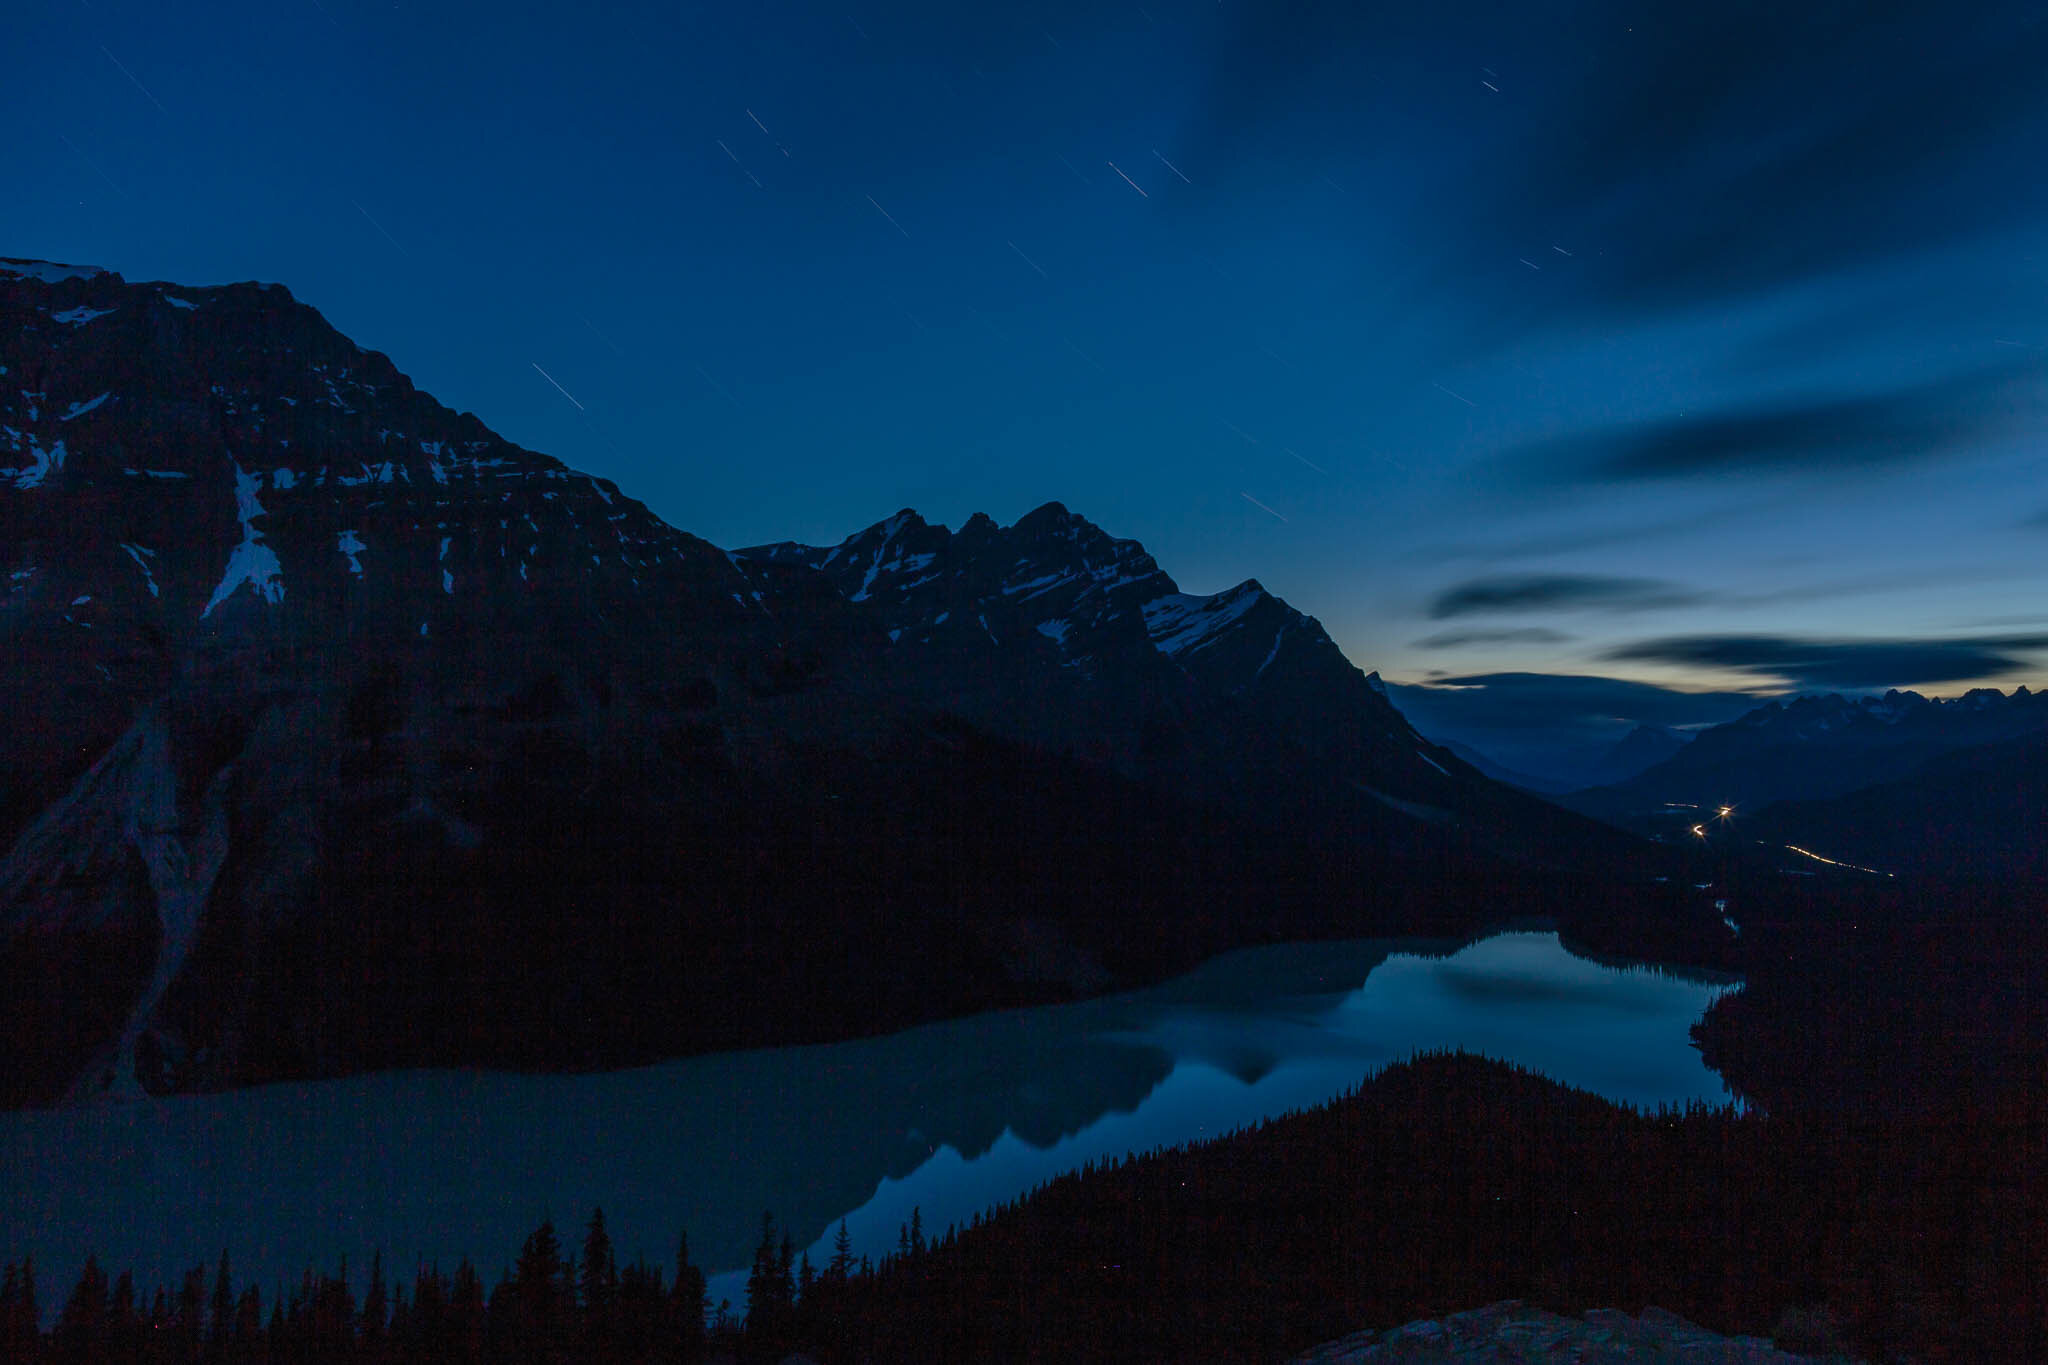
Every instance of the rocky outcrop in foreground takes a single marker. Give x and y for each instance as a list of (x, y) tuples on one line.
[(1509, 1331)]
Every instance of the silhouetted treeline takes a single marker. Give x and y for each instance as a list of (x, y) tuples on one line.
[(1882, 995), (1441, 1184), (1452, 1182), (550, 1306)]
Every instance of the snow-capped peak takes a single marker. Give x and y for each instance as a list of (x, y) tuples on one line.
[(48, 272)]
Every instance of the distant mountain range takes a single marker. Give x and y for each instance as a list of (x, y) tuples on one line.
[(344, 733), (1900, 782), (1972, 814), (1643, 747)]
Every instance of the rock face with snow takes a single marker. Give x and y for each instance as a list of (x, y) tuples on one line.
[(344, 733)]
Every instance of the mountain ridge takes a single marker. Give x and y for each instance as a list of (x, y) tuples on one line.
[(349, 734), (1814, 747)]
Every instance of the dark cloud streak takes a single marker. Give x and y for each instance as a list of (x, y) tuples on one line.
[(1921, 422), (1559, 592), (1823, 665), (1528, 635)]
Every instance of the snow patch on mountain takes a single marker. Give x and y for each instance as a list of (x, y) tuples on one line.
[(49, 272), (43, 463), (142, 556), (80, 409), (350, 544), (1032, 588), (251, 561), (877, 563), (1272, 653), (78, 317), (1182, 623)]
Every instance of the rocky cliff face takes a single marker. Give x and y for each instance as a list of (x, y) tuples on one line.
[(345, 733)]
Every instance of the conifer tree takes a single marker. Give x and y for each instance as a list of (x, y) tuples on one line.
[(375, 1315), (542, 1299), (189, 1320), (466, 1312), (333, 1315), (771, 1291), (687, 1304), (431, 1334), (841, 1264), (20, 1333), (222, 1324), (600, 1270), (249, 1324), (81, 1328)]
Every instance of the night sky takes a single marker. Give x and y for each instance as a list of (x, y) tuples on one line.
[(1594, 350)]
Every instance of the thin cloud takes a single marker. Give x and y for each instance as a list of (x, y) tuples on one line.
[(1559, 592), (1544, 544), (1528, 635)]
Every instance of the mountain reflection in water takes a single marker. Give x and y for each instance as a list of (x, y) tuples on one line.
[(948, 1119)]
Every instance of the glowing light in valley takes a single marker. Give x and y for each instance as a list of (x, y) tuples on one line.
[(1834, 862)]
